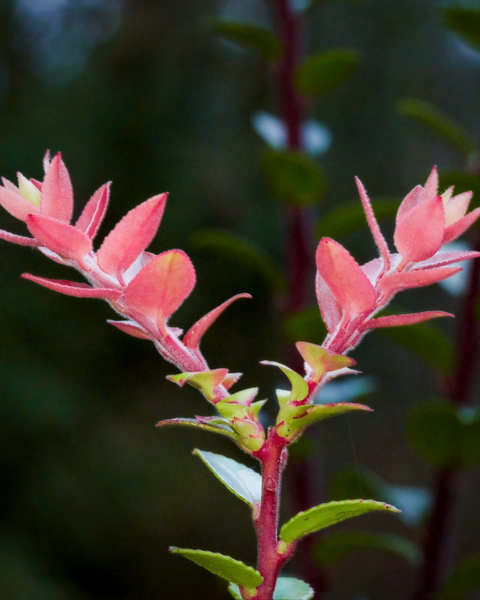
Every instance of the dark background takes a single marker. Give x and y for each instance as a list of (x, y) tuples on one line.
[(141, 93)]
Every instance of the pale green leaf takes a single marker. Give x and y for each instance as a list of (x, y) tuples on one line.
[(299, 385), (323, 72), (287, 588), (217, 426), (248, 34)]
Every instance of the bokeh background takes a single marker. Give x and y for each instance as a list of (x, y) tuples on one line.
[(142, 93)]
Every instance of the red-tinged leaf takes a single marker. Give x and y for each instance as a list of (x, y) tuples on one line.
[(94, 211), (131, 236), (73, 288), (16, 205), (410, 200), (456, 229), (17, 239), (430, 189), (60, 237), (231, 379), (404, 280), (344, 277), (329, 307), (36, 183), (398, 320), (322, 361), (373, 224), (162, 285), (445, 258), (57, 192), (131, 328), (419, 234), (195, 333)]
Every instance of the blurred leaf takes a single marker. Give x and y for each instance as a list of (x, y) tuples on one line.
[(429, 115), (305, 325), (243, 249), (300, 450), (465, 22), (247, 34), (331, 549), (350, 217), (294, 178), (463, 182), (324, 71), (463, 580), (224, 566), (324, 515), (287, 588), (444, 435), (426, 341), (244, 482)]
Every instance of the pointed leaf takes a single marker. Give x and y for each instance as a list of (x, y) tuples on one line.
[(242, 481), (131, 236), (213, 427), (16, 205), (205, 381), (73, 288), (248, 34), (464, 580), (162, 285), (445, 258), (462, 181), (60, 237), (330, 308), (294, 177), (323, 72), (94, 211), (324, 515), (18, 239), (223, 566), (194, 335), (131, 328), (399, 320), (464, 21), (373, 224), (29, 190), (57, 192), (403, 280), (321, 361), (287, 588), (456, 229), (433, 118), (299, 385)]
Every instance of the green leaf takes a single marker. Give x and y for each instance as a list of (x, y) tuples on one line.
[(244, 482), (464, 22), (426, 341), (463, 182), (299, 385), (242, 249), (324, 515), (444, 435), (217, 426), (463, 580), (333, 548), (287, 588), (430, 116), (247, 34), (294, 177), (349, 217), (223, 566), (324, 71), (306, 325)]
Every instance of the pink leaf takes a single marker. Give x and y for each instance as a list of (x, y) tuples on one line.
[(373, 224), (445, 258), (162, 285), (17, 239), (60, 237), (330, 309), (57, 192), (410, 200), (16, 205), (419, 234), (398, 320), (344, 278), (131, 236), (195, 333), (456, 207), (72, 288), (403, 280), (131, 328), (94, 211), (456, 229), (430, 189)]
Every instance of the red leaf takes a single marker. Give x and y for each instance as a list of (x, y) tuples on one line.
[(398, 320), (131, 328), (16, 205), (410, 200), (195, 333), (162, 285), (403, 280), (60, 237), (94, 211), (72, 288), (131, 236), (57, 192)]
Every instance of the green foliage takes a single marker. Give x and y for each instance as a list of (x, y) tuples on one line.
[(324, 515), (241, 248), (445, 435), (294, 177), (306, 325), (253, 36), (215, 426), (463, 182), (465, 22), (224, 566), (287, 588), (331, 549), (464, 579), (350, 217), (324, 71), (242, 481), (434, 119)]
